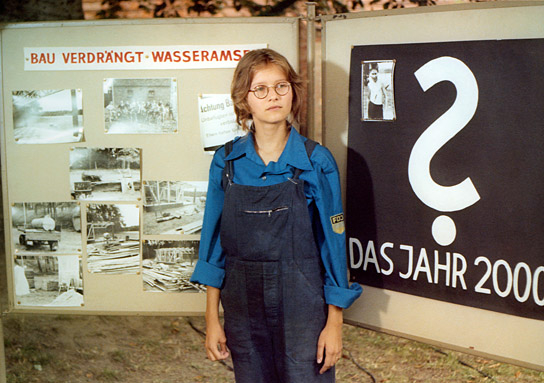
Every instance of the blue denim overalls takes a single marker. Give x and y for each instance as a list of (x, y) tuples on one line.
[(273, 291)]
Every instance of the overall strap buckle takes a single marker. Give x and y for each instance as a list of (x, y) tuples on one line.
[(228, 171)]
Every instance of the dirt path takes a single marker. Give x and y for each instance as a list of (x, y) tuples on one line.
[(55, 348)]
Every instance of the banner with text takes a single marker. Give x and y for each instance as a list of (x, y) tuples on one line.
[(135, 57), (445, 179)]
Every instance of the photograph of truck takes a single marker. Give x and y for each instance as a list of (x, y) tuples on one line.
[(45, 227)]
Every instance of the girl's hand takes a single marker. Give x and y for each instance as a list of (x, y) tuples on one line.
[(330, 339), (216, 341)]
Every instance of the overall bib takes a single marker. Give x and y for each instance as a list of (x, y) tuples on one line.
[(273, 291)]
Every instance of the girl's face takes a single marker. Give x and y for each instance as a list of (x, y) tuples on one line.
[(273, 109)]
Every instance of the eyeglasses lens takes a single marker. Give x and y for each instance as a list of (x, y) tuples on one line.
[(281, 89)]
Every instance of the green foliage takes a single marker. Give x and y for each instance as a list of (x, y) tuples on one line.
[(111, 9), (171, 8), (274, 8), (391, 4), (203, 6)]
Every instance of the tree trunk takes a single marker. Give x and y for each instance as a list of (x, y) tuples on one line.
[(40, 10)]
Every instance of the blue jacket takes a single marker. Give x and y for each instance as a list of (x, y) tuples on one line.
[(322, 186)]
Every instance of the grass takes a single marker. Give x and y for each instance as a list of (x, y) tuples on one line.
[(170, 350), (118, 356), (30, 352), (108, 375), (396, 360)]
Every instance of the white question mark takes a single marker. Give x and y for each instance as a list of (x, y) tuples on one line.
[(438, 197)]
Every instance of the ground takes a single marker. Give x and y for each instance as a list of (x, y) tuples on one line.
[(67, 348)]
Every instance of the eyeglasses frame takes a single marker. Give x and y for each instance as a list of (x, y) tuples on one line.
[(272, 86)]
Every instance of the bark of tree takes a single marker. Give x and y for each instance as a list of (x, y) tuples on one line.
[(40, 10)]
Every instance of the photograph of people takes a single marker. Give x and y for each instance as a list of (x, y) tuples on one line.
[(273, 244), (378, 103)]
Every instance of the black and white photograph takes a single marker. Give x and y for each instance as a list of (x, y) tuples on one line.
[(45, 280), (113, 238), (174, 207), (105, 174), (377, 87), (47, 116), (46, 227), (168, 265), (140, 105)]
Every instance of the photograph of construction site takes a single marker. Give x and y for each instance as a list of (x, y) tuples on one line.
[(174, 207), (47, 116), (168, 265), (140, 105), (113, 238), (46, 227), (105, 174), (48, 280)]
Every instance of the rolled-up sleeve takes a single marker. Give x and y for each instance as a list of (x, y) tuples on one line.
[(210, 267), (328, 199)]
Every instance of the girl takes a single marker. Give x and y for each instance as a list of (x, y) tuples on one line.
[(273, 245)]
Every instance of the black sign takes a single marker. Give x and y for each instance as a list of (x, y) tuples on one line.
[(445, 188)]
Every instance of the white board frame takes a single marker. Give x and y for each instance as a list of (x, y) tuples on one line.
[(490, 334), (120, 294)]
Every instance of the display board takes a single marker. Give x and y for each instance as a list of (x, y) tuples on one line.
[(108, 131), (440, 142)]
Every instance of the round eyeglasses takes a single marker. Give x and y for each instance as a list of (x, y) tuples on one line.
[(261, 91)]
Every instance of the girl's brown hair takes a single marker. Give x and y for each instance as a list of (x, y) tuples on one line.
[(250, 63)]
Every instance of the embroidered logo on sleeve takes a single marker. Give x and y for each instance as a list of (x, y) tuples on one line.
[(337, 222)]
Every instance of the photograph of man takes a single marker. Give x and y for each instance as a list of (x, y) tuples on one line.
[(378, 102)]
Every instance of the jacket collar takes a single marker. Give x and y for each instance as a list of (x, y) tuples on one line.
[(294, 153)]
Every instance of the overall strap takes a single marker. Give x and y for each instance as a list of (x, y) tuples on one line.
[(310, 146), (228, 171)]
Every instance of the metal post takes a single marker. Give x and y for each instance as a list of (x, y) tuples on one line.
[(310, 63), (3, 376)]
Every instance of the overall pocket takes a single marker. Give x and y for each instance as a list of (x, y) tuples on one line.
[(261, 232)]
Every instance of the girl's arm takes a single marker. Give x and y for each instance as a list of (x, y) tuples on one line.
[(330, 339), (216, 341), (210, 268), (338, 293), (325, 190)]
